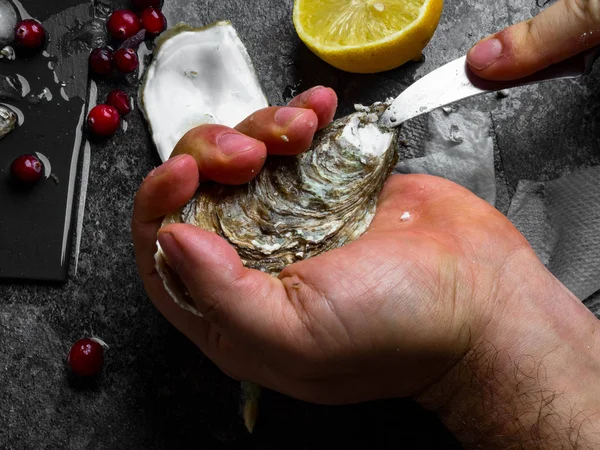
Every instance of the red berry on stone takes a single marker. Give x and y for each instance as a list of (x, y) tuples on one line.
[(30, 34), (126, 60), (27, 169), (153, 21), (104, 120), (101, 61), (119, 100), (122, 24), (86, 358), (143, 4)]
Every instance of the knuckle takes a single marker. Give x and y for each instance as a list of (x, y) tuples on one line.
[(586, 10), (535, 40)]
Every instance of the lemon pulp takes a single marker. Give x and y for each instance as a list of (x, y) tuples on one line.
[(366, 35)]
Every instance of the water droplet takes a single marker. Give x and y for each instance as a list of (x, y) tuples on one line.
[(8, 121), (25, 87), (455, 134), (9, 53), (290, 92), (45, 94), (503, 93), (143, 52), (46, 163), (18, 112), (447, 109), (22, 11), (64, 95), (102, 10), (379, 7)]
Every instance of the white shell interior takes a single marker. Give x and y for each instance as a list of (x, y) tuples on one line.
[(198, 77)]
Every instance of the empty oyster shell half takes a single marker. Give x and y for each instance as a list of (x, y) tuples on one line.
[(297, 207), (197, 76)]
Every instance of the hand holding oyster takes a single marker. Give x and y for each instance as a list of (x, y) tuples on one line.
[(296, 207)]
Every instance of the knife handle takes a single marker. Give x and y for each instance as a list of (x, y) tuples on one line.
[(576, 66)]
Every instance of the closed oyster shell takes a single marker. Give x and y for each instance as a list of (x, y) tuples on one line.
[(298, 206)]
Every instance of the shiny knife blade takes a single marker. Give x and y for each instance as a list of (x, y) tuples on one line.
[(455, 81)]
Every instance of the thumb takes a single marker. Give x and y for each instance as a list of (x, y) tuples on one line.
[(557, 33), (241, 302)]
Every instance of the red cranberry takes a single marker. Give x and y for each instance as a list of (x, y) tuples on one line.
[(153, 21), (86, 358), (30, 34), (104, 120), (101, 61), (119, 100), (126, 60), (122, 24), (143, 4), (27, 169)]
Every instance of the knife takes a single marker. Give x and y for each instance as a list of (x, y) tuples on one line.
[(455, 81)]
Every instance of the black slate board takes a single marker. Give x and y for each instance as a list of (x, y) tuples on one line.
[(36, 225)]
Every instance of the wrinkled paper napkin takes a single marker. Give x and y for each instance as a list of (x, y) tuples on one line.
[(559, 218)]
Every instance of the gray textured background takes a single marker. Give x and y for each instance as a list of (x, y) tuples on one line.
[(158, 391)]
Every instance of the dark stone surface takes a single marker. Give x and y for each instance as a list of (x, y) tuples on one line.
[(158, 391)]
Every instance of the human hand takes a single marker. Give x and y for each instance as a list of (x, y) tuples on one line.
[(561, 31), (392, 314)]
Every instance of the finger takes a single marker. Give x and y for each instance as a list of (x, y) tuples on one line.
[(284, 130), (222, 154), (323, 101), (290, 130), (247, 305), (166, 189), (557, 33)]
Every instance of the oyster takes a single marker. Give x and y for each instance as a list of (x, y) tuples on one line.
[(297, 207), (8, 120)]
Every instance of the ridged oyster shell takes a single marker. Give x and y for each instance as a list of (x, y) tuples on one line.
[(298, 206)]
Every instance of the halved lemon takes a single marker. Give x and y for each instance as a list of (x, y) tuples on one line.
[(366, 36)]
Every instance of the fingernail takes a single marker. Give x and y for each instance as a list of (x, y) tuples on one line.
[(485, 53), (305, 96), (166, 166), (171, 248), (234, 143), (286, 115)]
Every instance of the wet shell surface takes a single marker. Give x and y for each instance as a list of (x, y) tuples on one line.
[(298, 206)]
